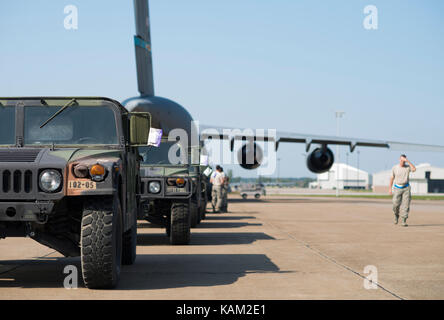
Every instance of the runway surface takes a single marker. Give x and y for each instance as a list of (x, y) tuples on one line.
[(281, 247)]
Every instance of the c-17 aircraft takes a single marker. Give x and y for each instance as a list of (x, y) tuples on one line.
[(170, 115)]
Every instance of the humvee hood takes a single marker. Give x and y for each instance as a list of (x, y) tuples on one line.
[(152, 171), (71, 155)]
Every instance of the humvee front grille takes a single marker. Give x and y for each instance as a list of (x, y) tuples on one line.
[(19, 155), (16, 181)]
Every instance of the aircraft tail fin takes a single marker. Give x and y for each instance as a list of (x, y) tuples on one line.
[(142, 44)]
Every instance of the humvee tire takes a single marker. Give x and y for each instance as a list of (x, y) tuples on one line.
[(199, 214), (195, 214), (180, 223), (101, 242), (203, 208), (129, 244)]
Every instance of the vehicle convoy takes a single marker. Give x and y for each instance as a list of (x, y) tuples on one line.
[(171, 177), (171, 191), (69, 179), (200, 197)]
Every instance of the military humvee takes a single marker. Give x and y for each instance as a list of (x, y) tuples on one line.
[(199, 198), (204, 180), (69, 179), (172, 191)]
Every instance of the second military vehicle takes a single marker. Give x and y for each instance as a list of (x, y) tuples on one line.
[(171, 178), (174, 190), (69, 179)]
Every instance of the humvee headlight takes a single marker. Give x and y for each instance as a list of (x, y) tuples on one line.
[(97, 172), (154, 187), (50, 180)]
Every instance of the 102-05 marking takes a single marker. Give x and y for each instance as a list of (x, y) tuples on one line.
[(82, 185), (176, 190)]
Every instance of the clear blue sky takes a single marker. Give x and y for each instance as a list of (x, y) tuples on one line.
[(281, 64)]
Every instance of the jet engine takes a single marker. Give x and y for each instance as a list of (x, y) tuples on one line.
[(250, 156), (320, 160)]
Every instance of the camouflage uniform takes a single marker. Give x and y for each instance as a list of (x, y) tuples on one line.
[(401, 202), (401, 191), (217, 197), (224, 206), (217, 191)]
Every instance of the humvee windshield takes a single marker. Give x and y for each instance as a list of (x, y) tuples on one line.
[(75, 125), (162, 154), (7, 125)]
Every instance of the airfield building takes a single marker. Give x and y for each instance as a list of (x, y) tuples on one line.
[(426, 179), (343, 177)]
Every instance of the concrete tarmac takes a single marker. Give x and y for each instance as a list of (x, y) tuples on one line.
[(281, 247)]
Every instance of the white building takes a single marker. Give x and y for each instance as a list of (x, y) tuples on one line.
[(343, 176), (426, 179)]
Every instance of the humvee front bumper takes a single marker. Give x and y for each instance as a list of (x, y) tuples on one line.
[(166, 192), (25, 211)]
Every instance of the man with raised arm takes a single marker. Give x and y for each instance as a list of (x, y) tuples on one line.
[(400, 188)]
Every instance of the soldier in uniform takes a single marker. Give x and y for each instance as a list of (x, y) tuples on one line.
[(217, 180), (400, 189), (224, 207)]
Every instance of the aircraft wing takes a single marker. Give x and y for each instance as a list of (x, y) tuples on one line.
[(232, 134)]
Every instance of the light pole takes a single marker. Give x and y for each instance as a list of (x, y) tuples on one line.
[(346, 172), (358, 170), (338, 115), (278, 170)]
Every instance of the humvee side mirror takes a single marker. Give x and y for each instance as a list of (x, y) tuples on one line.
[(195, 153), (140, 124)]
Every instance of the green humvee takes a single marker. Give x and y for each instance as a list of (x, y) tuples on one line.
[(199, 199), (69, 179), (172, 193)]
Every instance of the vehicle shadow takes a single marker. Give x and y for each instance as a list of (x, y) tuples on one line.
[(227, 225), (165, 271), (230, 213), (229, 217), (150, 272), (205, 225), (205, 239), (36, 273), (148, 225)]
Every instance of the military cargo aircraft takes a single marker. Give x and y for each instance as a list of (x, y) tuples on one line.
[(250, 155)]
